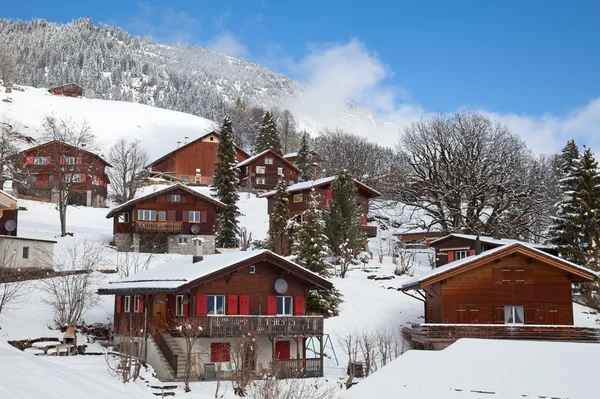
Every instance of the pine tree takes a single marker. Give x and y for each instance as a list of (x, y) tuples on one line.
[(311, 245), (304, 159), (278, 229), (343, 221), (225, 184), (268, 137)]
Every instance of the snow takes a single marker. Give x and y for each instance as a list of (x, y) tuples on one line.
[(314, 183), (491, 240), (499, 369), (252, 158), (290, 155)]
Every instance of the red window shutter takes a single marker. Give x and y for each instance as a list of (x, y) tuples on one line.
[(220, 352), (299, 305), (170, 216), (62, 160), (245, 305), (79, 160), (186, 216), (48, 160), (203, 216), (186, 308), (499, 314), (328, 195), (168, 197), (29, 160), (119, 304), (450, 256), (472, 252), (201, 305), (271, 305), (83, 177), (171, 305), (232, 304), (141, 302)]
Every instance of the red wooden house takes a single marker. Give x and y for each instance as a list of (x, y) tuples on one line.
[(250, 304), (299, 197), (68, 90), (194, 161), (170, 220), (53, 164), (263, 171), (504, 292)]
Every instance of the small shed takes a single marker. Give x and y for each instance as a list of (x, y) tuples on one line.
[(68, 90)]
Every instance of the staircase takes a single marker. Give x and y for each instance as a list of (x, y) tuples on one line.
[(177, 351)]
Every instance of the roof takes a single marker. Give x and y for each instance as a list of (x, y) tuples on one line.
[(177, 275), (7, 201), (162, 191), (8, 195), (307, 185), (66, 84), (255, 157), (487, 369), (291, 155), (490, 240), (471, 262), (190, 143), (68, 145), (27, 239)]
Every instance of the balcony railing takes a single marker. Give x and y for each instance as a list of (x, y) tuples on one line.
[(297, 368), (159, 227), (236, 326)]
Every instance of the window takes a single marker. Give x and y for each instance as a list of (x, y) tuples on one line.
[(162, 216), (290, 182), (519, 275), (220, 352), (298, 218), (260, 180), (39, 161), (252, 270), (284, 306), (185, 178), (25, 252), (146, 214), (123, 217), (216, 304), (182, 240), (194, 217), (260, 170), (460, 254), (298, 198), (137, 302), (74, 178), (70, 160), (514, 314), (175, 198), (280, 171), (127, 304), (269, 161), (179, 302)]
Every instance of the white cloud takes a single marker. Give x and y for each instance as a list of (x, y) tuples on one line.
[(228, 44)]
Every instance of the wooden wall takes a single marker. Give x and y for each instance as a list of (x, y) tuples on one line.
[(271, 176), (545, 293), (9, 214)]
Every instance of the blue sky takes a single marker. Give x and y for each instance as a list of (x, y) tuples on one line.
[(537, 60)]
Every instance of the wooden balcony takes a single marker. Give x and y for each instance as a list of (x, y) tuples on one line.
[(440, 335), (370, 231), (237, 326), (158, 227)]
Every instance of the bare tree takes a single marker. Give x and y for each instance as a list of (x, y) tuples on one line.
[(67, 177), (11, 142), (129, 263), (127, 363), (350, 344), (386, 341), (405, 262), (244, 354), (292, 388), (72, 292), (245, 239), (8, 69), (13, 282), (128, 159), (367, 342), (191, 329), (290, 139)]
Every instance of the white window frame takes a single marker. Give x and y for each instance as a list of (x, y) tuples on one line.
[(261, 170), (261, 180), (25, 252), (283, 299), (161, 216), (215, 307), (148, 215), (194, 217), (182, 240), (123, 217), (298, 198), (136, 304), (175, 198), (70, 160), (268, 161), (279, 171), (73, 178), (291, 182), (39, 160), (127, 304), (179, 302), (252, 269), (513, 314), (461, 255)]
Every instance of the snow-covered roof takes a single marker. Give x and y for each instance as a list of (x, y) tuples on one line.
[(306, 185), (291, 155), (8, 195), (491, 240), (68, 145), (255, 157), (491, 369), (191, 190), (2, 236), (415, 282), (175, 274)]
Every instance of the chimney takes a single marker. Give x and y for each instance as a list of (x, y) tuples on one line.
[(178, 144), (477, 245), (83, 145), (198, 249), (314, 165), (185, 140)]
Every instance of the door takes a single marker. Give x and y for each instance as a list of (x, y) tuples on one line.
[(282, 350), (159, 311)]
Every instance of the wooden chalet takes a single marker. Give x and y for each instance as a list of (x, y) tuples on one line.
[(299, 197), (455, 246), (49, 165), (9, 214), (513, 291), (264, 171), (419, 239), (194, 161), (251, 307), (175, 219), (67, 90)]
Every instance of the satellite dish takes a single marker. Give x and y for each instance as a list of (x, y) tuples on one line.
[(281, 286), (10, 225), (195, 229)]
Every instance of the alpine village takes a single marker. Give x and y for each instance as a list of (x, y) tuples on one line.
[(149, 249)]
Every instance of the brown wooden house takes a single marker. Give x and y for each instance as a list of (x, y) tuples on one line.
[(419, 238), (263, 171), (48, 166), (9, 214), (170, 220), (505, 292), (299, 197), (194, 161), (68, 90), (249, 301)]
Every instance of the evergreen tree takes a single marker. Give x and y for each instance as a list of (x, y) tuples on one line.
[(278, 229), (343, 221), (225, 184), (311, 246), (268, 137), (304, 159)]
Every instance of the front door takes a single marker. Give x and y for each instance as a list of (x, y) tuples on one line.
[(159, 311)]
